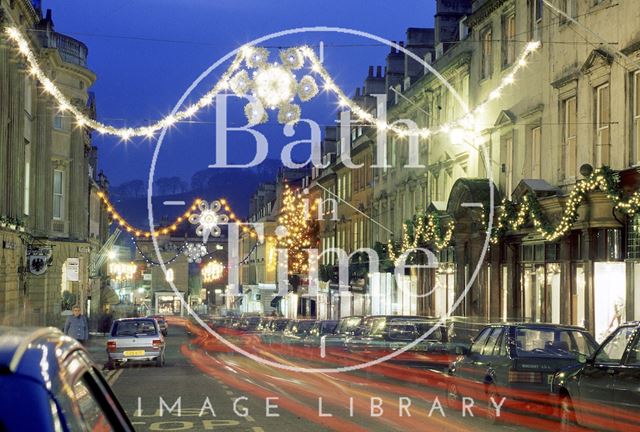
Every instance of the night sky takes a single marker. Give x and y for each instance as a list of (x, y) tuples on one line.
[(147, 52)]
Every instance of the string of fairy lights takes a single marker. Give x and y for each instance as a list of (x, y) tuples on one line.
[(515, 215), (272, 86)]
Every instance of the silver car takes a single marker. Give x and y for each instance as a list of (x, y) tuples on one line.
[(135, 339)]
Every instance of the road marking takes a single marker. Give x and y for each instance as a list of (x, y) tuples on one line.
[(174, 203), (249, 418), (115, 376), (257, 429)]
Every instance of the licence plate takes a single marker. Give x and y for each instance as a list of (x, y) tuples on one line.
[(133, 353)]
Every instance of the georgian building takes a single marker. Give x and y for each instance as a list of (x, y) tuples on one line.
[(52, 223)]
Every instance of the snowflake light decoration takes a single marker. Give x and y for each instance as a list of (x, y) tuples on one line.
[(195, 252), (208, 220), (273, 85)]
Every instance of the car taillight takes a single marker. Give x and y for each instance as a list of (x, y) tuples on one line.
[(111, 346), (524, 377), (156, 343)]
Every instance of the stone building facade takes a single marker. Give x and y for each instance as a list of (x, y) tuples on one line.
[(49, 182)]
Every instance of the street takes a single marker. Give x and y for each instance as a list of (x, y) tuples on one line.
[(201, 389)]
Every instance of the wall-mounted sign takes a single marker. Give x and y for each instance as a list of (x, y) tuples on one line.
[(73, 269), (38, 260)]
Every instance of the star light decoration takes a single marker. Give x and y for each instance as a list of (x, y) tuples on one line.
[(208, 220), (273, 85), (195, 252)]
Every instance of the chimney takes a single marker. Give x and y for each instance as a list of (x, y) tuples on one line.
[(371, 71), (379, 72)]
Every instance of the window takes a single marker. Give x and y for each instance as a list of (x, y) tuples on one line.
[(508, 166), (536, 135), (508, 39), (486, 53), (613, 349), (568, 7), (479, 342), (570, 139), (492, 341), (57, 121), (635, 145), (535, 18), (27, 178), (92, 412), (634, 354), (603, 141), (58, 194)]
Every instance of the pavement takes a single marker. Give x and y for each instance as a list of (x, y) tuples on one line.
[(204, 387)]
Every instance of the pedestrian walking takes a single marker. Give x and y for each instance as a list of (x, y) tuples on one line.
[(77, 326)]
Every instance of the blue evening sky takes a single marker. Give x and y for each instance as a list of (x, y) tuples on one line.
[(147, 52)]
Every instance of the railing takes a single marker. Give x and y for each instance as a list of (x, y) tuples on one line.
[(70, 49)]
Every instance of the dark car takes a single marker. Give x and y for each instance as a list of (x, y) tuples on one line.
[(296, 331), (346, 328), (273, 331), (249, 324), (604, 391), (374, 331), (515, 360), (162, 322), (321, 329), (49, 383)]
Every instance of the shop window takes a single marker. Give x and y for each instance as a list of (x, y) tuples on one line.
[(608, 244), (609, 287)]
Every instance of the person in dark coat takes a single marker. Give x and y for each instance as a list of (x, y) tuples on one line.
[(77, 326)]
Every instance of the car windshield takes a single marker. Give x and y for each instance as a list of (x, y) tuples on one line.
[(134, 328), (304, 327), (328, 327), (280, 325), (412, 331), (553, 342), (348, 325)]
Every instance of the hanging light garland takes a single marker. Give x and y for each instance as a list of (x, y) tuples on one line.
[(273, 86), (152, 263), (514, 215), (423, 230), (164, 230)]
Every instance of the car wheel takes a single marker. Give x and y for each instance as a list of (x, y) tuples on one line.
[(453, 396), (567, 413), (493, 399)]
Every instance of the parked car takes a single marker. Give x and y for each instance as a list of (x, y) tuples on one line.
[(249, 324), (273, 332), (49, 383), (133, 340), (320, 329), (522, 357), (606, 382), (372, 331), (296, 331), (162, 322), (346, 328)]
